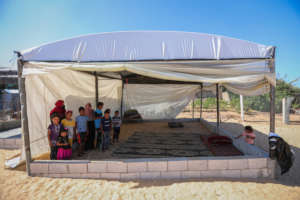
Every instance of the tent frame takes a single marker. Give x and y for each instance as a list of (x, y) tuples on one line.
[(24, 117)]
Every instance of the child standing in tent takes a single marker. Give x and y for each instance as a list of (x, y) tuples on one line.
[(53, 132), (64, 150), (106, 129), (116, 121), (82, 129), (248, 135), (69, 123), (98, 116)]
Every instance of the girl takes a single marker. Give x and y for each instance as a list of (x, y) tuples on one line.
[(64, 150), (53, 132), (69, 123)]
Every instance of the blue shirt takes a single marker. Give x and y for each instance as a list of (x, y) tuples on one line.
[(98, 113), (81, 122)]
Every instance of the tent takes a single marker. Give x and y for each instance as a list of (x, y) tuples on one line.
[(155, 72)]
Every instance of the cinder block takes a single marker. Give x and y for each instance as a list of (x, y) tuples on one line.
[(195, 165), (271, 163), (39, 167), (10, 143), (130, 176), (1, 143), (97, 167), (116, 166), (149, 175), (54, 175), (217, 164), (238, 164), (210, 174), (171, 175), (114, 176), (71, 175), (58, 168), (231, 173), (156, 166), (178, 165), (249, 173), (78, 168), (191, 174), (18, 142), (91, 175), (263, 173), (137, 166), (257, 163)]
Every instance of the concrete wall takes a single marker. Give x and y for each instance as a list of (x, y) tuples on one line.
[(169, 168), (13, 143)]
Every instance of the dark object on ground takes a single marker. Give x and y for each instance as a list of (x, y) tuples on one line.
[(132, 116), (219, 140), (175, 125), (221, 146), (281, 151)]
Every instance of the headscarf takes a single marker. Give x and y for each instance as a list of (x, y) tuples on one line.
[(59, 109)]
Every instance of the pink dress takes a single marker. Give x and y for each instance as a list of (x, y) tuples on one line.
[(63, 152)]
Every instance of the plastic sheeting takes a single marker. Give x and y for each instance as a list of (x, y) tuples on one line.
[(147, 45), (158, 101), (246, 77)]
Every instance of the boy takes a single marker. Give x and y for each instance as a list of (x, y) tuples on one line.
[(116, 121), (98, 117), (82, 129), (69, 123), (106, 128), (248, 134)]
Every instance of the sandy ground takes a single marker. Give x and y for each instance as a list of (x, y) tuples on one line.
[(14, 184)]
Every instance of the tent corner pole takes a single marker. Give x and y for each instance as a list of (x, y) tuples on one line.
[(96, 89), (121, 109), (272, 95), (201, 99), (24, 117), (218, 107)]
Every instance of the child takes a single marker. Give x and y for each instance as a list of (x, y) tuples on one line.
[(64, 150), (98, 117), (106, 128), (116, 121), (89, 112), (248, 134), (69, 123), (53, 132), (82, 129)]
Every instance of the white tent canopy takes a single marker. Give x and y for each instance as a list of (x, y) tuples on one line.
[(69, 70)]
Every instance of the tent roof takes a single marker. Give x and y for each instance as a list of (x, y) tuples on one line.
[(147, 45)]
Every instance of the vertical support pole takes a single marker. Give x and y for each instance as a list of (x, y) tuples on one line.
[(272, 95), (24, 119), (121, 111), (242, 107), (201, 99), (96, 89), (218, 107), (193, 107)]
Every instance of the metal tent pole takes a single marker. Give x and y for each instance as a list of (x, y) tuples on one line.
[(201, 99), (218, 107), (24, 118), (193, 107), (121, 111), (96, 89), (272, 95)]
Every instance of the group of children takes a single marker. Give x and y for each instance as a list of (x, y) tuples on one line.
[(66, 135)]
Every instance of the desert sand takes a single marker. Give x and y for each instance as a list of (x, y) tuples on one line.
[(15, 184)]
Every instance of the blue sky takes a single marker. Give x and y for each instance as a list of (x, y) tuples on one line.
[(25, 24)]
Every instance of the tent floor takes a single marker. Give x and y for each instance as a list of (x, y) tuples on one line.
[(156, 140)]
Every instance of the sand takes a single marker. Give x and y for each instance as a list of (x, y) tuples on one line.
[(15, 184)]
